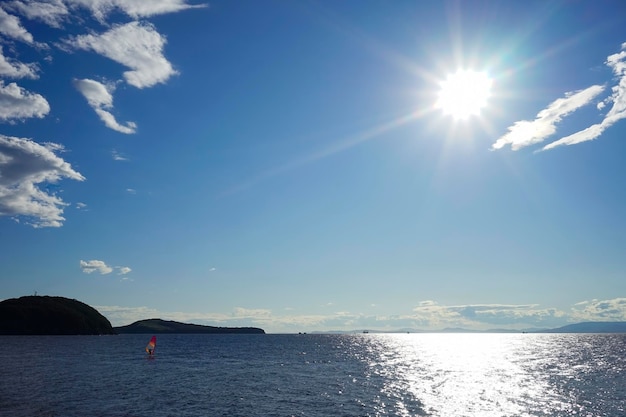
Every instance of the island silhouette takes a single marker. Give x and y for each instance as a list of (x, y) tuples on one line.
[(48, 315)]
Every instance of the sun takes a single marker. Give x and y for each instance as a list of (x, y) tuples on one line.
[(464, 94)]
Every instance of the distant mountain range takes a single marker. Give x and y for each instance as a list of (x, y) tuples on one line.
[(591, 327), (585, 327), (154, 326)]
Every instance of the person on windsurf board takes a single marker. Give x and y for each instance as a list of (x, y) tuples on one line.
[(151, 346)]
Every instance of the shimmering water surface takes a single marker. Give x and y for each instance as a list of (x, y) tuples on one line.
[(314, 375)]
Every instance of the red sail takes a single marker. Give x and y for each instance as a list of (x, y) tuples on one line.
[(151, 345)]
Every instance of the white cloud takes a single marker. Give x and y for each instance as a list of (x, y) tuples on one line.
[(15, 69), (600, 310), (51, 12), (24, 165), (524, 132), (111, 123), (99, 97), (19, 104), (136, 45), (11, 27), (80, 205), (123, 270), (134, 8), (56, 12), (617, 62), (118, 156), (97, 94), (428, 315), (94, 265), (255, 313), (100, 266)]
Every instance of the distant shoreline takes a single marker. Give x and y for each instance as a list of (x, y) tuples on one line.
[(596, 327)]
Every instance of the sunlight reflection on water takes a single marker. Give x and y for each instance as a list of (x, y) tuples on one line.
[(497, 374)]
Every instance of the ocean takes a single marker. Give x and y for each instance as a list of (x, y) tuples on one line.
[(443, 375)]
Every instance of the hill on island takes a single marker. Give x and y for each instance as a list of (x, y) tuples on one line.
[(591, 327), (45, 315), (155, 326)]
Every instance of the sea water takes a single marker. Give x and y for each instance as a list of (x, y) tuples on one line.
[(446, 375)]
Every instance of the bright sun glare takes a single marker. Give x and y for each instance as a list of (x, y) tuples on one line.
[(464, 94)]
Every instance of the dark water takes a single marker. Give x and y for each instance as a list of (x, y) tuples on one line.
[(314, 375)]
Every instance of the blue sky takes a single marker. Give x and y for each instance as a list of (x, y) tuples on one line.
[(286, 165)]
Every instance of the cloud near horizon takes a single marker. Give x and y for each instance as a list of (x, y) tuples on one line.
[(426, 316), (525, 133)]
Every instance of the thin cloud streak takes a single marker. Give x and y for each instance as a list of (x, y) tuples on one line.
[(617, 62), (524, 132)]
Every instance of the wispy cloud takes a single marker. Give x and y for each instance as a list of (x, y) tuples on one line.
[(118, 156), (136, 45), (617, 62), (524, 133), (99, 96), (123, 270), (24, 166)]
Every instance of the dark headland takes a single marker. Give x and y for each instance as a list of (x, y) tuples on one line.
[(154, 326), (45, 315)]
